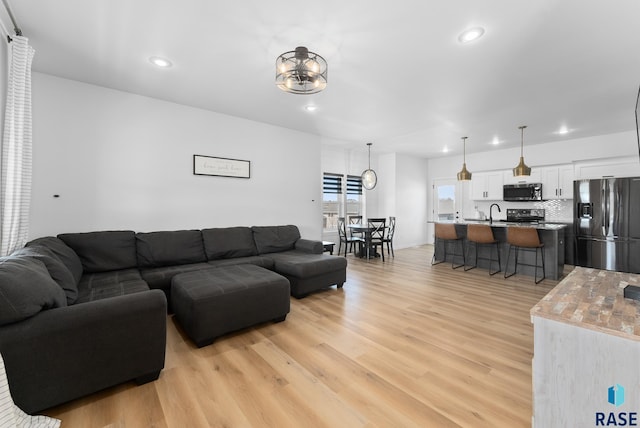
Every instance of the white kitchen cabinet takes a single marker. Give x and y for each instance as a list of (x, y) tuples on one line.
[(557, 182), (487, 186), (535, 177)]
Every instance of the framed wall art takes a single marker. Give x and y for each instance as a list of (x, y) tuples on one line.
[(221, 167)]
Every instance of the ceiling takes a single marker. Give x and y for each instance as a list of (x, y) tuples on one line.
[(398, 77)]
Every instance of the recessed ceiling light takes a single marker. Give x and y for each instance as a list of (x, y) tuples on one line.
[(563, 130), (471, 35), (310, 107), (445, 150), (160, 62), (495, 141)]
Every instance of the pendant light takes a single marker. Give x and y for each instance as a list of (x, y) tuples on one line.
[(369, 177), (522, 169), (464, 174)]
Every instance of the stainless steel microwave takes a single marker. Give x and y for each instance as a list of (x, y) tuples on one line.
[(522, 192)]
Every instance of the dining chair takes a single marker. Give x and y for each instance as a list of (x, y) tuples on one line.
[(349, 241), (389, 238), (377, 234), (355, 219)]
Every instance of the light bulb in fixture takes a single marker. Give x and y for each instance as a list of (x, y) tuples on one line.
[(563, 130)]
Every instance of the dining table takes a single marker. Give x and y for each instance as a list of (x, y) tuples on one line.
[(367, 251)]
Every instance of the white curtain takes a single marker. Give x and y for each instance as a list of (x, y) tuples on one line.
[(15, 182)]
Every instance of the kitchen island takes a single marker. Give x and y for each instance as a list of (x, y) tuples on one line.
[(551, 235), (586, 365)]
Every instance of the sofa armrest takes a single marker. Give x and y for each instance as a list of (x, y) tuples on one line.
[(65, 353), (309, 246)]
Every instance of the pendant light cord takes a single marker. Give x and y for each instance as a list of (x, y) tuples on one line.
[(464, 149), (522, 140)]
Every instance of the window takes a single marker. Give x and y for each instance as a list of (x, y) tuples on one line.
[(354, 196), (331, 196), (341, 197)]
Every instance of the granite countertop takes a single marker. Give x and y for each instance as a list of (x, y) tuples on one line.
[(498, 223), (594, 299)]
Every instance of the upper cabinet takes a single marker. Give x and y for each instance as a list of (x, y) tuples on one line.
[(487, 186), (533, 178), (557, 182)]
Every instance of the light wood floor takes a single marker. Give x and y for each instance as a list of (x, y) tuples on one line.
[(403, 344)]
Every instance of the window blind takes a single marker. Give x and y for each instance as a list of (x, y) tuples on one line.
[(332, 183), (354, 185)]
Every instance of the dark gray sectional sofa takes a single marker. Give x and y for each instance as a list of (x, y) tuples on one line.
[(81, 312)]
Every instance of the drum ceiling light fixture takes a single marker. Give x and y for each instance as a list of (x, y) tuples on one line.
[(369, 177), (301, 72)]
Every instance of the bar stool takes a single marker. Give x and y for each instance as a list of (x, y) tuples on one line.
[(447, 232), (481, 234), (524, 238)]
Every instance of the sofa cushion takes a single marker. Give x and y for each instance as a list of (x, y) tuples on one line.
[(58, 271), (102, 285), (160, 277), (272, 239), (26, 288), (103, 251), (63, 252), (262, 261), (228, 242), (170, 248)]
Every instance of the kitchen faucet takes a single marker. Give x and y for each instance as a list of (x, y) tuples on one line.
[(491, 212)]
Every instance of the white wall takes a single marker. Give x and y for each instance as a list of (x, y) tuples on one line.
[(412, 185), (123, 161)]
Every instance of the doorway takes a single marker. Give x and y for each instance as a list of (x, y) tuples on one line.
[(445, 203)]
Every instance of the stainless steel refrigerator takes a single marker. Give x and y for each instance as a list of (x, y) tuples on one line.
[(607, 223)]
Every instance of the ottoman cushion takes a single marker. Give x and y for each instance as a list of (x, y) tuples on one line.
[(211, 302)]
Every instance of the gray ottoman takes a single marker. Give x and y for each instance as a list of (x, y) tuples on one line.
[(211, 302)]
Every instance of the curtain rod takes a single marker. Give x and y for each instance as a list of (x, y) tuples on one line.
[(16, 28)]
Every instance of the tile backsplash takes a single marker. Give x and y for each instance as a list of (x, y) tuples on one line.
[(558, 211)]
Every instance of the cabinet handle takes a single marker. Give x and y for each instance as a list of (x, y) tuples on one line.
[(556, 192), (560, 192)]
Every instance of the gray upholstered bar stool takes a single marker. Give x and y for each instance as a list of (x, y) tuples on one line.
[(482, 235), (524, 238), (446, 232)]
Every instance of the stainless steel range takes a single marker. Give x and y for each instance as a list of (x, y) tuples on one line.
[(525, 215)]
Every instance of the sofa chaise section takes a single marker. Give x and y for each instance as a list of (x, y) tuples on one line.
[(299, 260)]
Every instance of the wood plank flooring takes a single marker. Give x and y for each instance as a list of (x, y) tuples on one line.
[(403, 344)]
